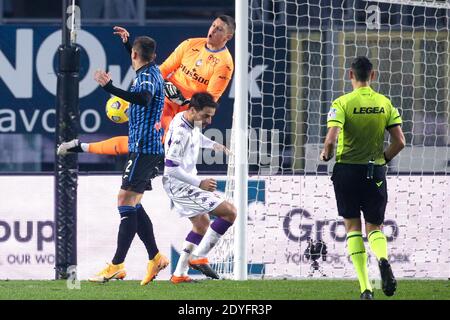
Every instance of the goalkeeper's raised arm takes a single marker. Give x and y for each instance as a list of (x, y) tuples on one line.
[(196, 65), (199, 65)]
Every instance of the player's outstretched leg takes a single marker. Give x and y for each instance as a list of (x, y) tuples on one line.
[(111, 272), (226, 214), (378, 245), (72, 146), (191, 242), (357, 252), (113, 146)]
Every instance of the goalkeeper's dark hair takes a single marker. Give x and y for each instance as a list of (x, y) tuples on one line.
[(362, 67), (145, 48), (201, 100), (229, 21)]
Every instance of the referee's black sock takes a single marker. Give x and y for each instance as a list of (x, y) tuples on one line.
[(145, 231), (127, 230)]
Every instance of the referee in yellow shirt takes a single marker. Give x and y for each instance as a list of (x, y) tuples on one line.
[(357, 121)]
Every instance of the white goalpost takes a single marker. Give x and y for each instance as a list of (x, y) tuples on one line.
[(292, 59), (241, 149)]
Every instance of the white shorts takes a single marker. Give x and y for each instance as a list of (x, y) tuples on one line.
[(190, 201)]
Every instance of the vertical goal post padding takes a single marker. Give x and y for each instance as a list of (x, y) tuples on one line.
[(66, 167)]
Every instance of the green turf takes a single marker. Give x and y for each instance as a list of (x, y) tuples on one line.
[(220, 290)]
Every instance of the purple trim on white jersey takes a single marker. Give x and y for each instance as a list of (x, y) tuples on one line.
[(185, 121), (170, 163)]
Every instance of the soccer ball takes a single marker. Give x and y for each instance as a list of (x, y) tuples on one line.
[(117, 109)]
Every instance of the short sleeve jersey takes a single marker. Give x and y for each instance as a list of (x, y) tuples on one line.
[(193, 67), (363, 116)]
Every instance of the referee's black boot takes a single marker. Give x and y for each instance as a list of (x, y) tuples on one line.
[(388, 282), (367, 295)]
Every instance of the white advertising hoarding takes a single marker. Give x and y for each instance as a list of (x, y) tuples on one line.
[(26, 227), (417, 226), (283, 212)]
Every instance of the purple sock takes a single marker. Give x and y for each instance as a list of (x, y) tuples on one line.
[(194, 238), (220, 226)]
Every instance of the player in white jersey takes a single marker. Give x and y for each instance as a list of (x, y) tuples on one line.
[(192, 197)]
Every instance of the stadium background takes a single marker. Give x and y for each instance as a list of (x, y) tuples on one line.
[(28, 79), (27, 151)]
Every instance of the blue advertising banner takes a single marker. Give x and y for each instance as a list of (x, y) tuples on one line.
[(28, 91), (28, 75)]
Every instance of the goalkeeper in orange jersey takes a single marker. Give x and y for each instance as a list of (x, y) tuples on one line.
[(196, 65)]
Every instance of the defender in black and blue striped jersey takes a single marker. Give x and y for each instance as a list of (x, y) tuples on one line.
[(144, 120), (146, 152)]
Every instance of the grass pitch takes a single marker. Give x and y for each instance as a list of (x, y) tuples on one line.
[(219, 290)]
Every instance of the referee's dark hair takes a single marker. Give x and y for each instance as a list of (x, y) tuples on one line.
[(145, 48), (202, 100), (362, 67)]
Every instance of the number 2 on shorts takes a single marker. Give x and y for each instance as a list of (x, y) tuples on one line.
[(127, 170)]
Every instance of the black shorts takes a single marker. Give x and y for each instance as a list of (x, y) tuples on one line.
[(139, 170), (355, 193)]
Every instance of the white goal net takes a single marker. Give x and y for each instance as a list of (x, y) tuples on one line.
[(300, 53)]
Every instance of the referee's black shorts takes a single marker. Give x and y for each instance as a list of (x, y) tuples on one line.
[(139, 170), (355, 193)]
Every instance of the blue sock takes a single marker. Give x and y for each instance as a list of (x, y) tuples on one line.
[(127, 230), (145, 231)]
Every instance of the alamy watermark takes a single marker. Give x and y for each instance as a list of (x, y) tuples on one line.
[(74, 19), (376, 284), (373, 17), (72, 281)]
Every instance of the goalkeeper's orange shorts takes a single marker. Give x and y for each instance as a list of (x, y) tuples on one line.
[(119, 145)]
